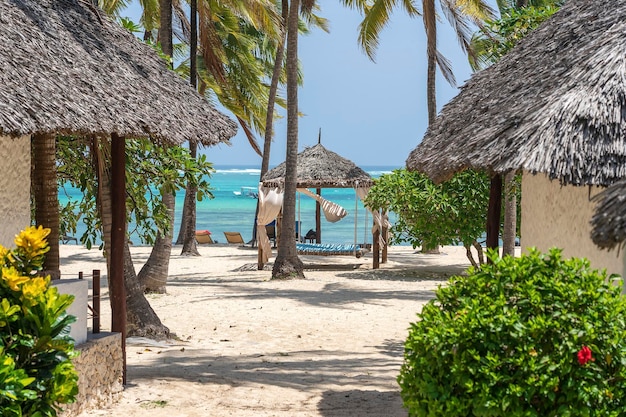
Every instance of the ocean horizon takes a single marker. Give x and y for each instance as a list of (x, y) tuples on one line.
[(232, 210)]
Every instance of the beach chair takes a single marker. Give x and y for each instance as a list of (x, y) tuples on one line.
[(270, 229), (65, 239), (203, 236), (234, 238)]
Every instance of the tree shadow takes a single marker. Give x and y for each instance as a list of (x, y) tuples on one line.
[(362, 403)]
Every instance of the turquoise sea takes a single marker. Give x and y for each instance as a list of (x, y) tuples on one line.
[(231, 212)]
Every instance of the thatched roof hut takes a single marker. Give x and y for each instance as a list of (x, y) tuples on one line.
[(609, 219), (555, 104), (67, 68), (318, 167)]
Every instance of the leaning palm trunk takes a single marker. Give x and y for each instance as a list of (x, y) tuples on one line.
[(287, 263), (141, 320), (271, 103), (153, 275), (187, 233), (46, 197)]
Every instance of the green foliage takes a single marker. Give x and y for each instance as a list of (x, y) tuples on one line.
[(449, 213), (510, 340), (150, 169), (499, 36), (36, 373)]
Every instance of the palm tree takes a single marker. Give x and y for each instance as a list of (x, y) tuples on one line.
[(287, 263), (233, 68), (46, 197), (458, 13)]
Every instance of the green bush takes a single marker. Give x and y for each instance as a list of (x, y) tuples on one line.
[(531, 336), (36, 372)]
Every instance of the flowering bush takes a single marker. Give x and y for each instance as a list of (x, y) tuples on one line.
[(36, 373), (529, 336)]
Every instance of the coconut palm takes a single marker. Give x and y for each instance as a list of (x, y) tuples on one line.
[(458, 13), (287, 263)]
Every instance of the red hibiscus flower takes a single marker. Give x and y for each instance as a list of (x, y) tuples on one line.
[(584, 355)]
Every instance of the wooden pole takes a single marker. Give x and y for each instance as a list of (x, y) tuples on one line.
[(385, 237), (318, 219), (493, 212), (118, 236), (375, 250), (95, 285)]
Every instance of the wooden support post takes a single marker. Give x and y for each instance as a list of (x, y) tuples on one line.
[(318, 219), (95, 287), (376, 250), (118, 240), (493, 212), (385, 237)]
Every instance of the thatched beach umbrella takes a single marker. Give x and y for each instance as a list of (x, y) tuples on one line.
[(317, 167), (320, 168), (555, 104), (67, 68)]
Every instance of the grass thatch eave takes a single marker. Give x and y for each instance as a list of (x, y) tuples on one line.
[(555, 104), (67, 68), (318, 167)]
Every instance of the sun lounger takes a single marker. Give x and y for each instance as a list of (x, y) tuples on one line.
[(329, 249), (204, 236), (67, 239), (234, 238)]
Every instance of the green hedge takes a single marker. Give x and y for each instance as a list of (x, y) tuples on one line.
[(530, 336)]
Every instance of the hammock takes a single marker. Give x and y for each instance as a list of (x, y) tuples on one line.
[(329, 249)]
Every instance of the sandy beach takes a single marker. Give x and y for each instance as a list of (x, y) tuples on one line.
[(329, 345)]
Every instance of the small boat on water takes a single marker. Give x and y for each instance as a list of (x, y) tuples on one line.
[(251, 192)]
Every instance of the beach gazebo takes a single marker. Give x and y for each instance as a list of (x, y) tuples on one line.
[(554, 106), (318, 168), (69, 69)]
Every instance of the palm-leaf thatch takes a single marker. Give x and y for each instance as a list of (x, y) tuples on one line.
[(556, 103), (609, 219), (318, 167), (67, 68)]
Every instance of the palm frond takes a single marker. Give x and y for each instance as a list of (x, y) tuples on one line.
[(375, 20), (446, 68)]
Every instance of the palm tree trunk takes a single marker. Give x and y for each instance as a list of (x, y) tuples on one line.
[(46, 197), (187, 233), (287, 263), (269, 118), (430, 23), (153, 275), (510, 215), (141, 320), (165, 29)]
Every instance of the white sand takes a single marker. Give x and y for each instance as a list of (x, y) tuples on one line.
[(329, 345)]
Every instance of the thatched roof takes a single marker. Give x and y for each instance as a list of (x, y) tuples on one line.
[(320, 168), (67, 68), (555, 104), (609, 219)]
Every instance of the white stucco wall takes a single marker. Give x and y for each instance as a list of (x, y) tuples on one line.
[(14, 187), (553, 215)]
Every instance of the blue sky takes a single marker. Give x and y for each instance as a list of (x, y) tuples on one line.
[(371, 113)]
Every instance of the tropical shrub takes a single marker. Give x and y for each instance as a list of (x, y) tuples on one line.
[(36, 373), (531, 336)]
